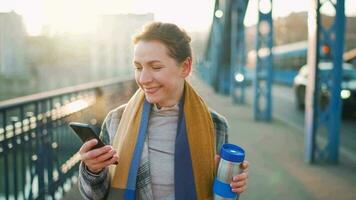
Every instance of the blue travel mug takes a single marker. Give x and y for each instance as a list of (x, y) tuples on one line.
[(231, 156)]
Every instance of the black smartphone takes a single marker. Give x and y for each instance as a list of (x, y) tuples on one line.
[(85, 133)]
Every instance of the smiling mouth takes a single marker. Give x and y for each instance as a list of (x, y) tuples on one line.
[(151, 90)]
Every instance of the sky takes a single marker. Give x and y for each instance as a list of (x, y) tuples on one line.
[(77, 16)]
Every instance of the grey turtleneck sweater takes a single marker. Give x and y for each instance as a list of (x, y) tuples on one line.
[(162, 130)]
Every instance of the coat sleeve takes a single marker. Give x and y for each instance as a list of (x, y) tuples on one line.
[(96, 186), (221, 129)]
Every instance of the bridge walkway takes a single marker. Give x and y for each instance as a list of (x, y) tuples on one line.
[(275, 151)]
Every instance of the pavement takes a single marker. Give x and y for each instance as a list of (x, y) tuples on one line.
[(275, 151)]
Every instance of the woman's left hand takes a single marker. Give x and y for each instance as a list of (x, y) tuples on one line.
[(239, 182)]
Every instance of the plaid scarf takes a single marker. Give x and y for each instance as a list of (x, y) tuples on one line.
[(194, 148)]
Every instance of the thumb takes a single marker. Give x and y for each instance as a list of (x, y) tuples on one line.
[(244, 165), (217, 161)]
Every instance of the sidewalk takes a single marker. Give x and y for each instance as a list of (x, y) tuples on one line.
[(276, 152)]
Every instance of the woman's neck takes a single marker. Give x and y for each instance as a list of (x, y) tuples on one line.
[(175, 100)]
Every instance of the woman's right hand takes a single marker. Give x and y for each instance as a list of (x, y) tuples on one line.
[(97, 159)]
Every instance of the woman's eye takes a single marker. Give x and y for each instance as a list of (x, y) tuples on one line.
[(157, 67), (138, 68)]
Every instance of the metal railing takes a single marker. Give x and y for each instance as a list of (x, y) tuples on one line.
[(38, 152)]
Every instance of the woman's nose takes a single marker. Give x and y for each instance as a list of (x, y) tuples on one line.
[(145, 76)]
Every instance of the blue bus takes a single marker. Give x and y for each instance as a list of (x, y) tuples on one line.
[(287, 60)]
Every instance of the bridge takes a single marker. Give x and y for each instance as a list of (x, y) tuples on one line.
[(294, 153)]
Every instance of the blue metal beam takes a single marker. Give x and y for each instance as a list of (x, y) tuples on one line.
[(262, 104), (238, 51), (209, 68), (218, 54), (226, 52), (323, 102), (224, 64)]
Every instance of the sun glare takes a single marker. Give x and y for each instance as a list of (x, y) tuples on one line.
[(192, 15), (33, 19), (79, 16)]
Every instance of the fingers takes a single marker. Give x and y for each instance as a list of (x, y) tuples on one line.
[(239, 183), (97, 159), (92, 154), (239, 186), (240, 189), (87, 146), (103, 157), (97, 167), (242, 176)]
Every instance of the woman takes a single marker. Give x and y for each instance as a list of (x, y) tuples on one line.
[(165, 140)]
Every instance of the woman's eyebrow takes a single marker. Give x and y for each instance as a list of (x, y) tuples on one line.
[(136, 63), (153, 62), (148, 63)]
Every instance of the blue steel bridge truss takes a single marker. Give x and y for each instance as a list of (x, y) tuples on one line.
[(325, 44), (225, 59)]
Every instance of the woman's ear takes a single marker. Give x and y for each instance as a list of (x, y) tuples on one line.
[(186, 67)]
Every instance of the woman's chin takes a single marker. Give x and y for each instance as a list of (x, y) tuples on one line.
[(151, 100)]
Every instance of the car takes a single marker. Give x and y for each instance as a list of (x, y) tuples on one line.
[(348, 87)]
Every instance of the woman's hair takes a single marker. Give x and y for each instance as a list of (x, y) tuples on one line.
[(176, 39)]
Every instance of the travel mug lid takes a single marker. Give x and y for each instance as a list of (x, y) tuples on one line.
[(233, 153)]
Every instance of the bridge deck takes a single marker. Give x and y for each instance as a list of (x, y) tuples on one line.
[(276, 151)]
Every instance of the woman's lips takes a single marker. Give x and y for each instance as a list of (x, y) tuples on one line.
[(151, 90)]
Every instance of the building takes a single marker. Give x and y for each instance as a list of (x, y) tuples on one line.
[(112, 49), (12, 50)]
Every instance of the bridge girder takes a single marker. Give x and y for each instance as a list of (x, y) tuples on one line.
[(262, 104), (324, 119), (226, 51)]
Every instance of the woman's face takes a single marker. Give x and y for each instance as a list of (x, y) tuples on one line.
[(158, 74)]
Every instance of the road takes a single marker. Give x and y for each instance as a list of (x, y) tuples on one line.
[(284, 109)]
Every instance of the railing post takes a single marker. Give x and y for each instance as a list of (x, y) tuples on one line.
[(14, 148), (40, 152), (28, 146), (48, 141), (23, 152), (6, 161)]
